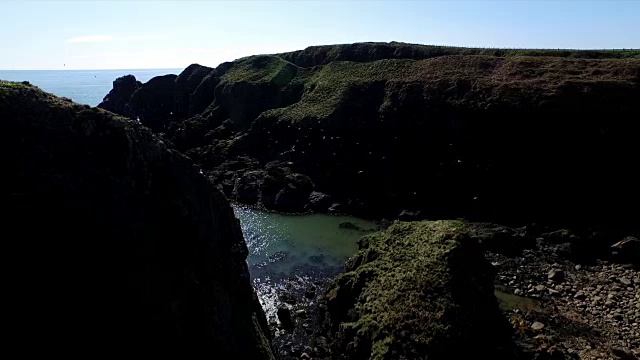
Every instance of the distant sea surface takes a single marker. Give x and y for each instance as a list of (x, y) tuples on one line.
[(82, 86)]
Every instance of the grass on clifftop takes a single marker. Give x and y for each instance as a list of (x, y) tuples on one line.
[(327, 87), (316, 55), (260, 69)]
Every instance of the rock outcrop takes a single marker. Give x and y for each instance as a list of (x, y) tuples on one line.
[(419, 290), (117, 99), (118, 241), (485, 134)]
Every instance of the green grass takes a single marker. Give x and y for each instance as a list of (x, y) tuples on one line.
[(14, 85), (260, 69), (374, 51), (326, 87)]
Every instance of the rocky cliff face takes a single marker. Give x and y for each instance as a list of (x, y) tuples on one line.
[(118, 240), (500, 135)]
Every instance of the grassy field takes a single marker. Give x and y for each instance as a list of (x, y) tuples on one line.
[(316, 55)]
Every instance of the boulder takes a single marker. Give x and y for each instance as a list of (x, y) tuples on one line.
[(318, 201), (627, 250), (556, 275), (247, 187), (119, 242), (284, 315)]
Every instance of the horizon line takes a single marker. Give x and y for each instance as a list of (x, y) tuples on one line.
[(97, 69)]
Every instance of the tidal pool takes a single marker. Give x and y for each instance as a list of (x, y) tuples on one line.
[(282, 246), (289, 254)]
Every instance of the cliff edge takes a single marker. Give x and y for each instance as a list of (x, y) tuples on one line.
[(119, 242)]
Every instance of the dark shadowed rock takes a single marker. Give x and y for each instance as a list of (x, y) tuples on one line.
[(118, 241), (284, 315), (406, 215), (622, 353), (153, 103), (556, 275), (247, 187), (118, 98), (319, 201), (627, 251), (185, 85)]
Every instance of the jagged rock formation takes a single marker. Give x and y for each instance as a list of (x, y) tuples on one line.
[(118, 240), (117, 99), (488, 134), (420, 290)]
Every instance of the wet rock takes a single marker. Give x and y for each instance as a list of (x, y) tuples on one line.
[(310, 293), (291, 200), (556, 275), (625, 281), (288, 298), (305, 356), (284, 315), (537, 326), (407, 215), (518, 292), (247, 188), (580, 295), (336, 208), (319, 201)]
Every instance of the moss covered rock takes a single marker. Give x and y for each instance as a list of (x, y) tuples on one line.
[(419, 290)]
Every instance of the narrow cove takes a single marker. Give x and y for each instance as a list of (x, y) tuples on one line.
[(296, 250)]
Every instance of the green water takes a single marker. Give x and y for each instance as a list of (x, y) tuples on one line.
[(508, 301), (281, 246)]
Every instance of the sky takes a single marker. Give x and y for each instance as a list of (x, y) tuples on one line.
[(120, 34)]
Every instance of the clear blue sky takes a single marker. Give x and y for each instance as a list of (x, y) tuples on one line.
[(122, 34)]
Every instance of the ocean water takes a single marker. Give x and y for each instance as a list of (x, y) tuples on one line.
[(82, 86)]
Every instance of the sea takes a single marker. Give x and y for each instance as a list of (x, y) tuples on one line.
[(285, 251), (87, 87)]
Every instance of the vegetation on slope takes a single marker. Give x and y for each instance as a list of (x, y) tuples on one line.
[(417, 290), (364, 52), (396, 127)]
